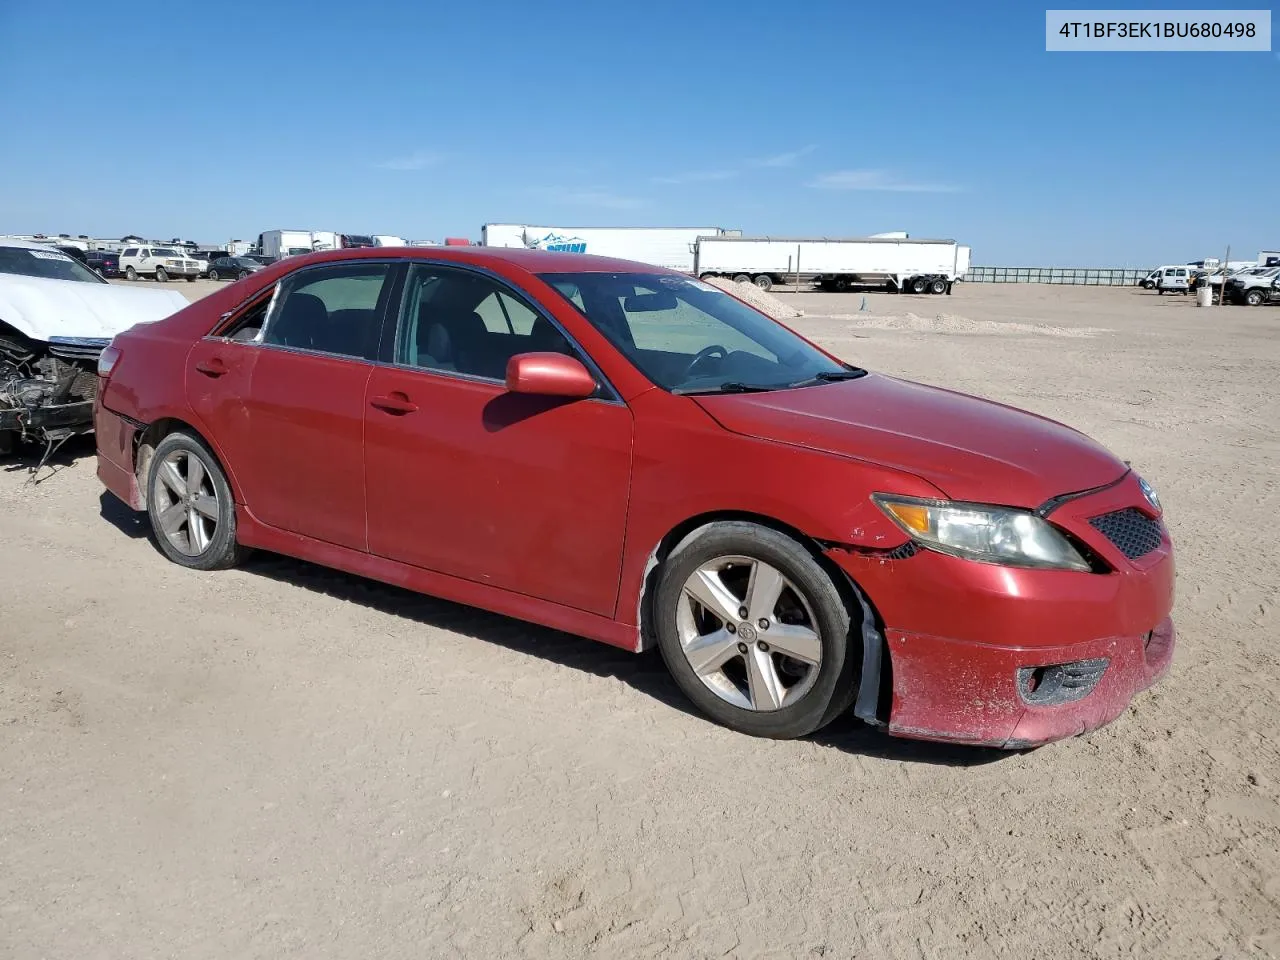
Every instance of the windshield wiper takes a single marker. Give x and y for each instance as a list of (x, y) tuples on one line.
[(849, 373), (831, 376), (732, 386)]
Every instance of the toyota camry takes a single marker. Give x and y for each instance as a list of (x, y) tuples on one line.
[(632, 455)]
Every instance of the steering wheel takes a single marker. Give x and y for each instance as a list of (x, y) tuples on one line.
[(703, 354)]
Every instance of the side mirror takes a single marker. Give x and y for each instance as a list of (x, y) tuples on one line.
[(549, 375)]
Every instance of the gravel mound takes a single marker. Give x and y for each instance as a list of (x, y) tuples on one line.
[(764, 302)]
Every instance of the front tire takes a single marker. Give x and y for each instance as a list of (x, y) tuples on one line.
[(161, 275), (741, 278), (242, 274), (764, 282), (1253, 298), (754, 631), (938, 286), (189, 503), (918, 285), (213, 274)]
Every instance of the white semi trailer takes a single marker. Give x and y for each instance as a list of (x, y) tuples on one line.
[(290, 243), (893, 263), (670, 247)]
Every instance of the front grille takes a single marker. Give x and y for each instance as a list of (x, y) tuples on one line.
[(1132, 531)]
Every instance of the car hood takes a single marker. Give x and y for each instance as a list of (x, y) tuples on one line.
[(42, 308), (968, 448)]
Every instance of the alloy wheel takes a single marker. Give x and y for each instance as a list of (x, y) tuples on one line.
[(187, 502), (749, 633)]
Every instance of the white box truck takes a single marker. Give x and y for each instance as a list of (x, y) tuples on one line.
[(288, 243), (670, 247), (892, 263)]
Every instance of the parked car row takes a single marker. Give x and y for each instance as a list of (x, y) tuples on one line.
[(1253, 287), (1248, 285)]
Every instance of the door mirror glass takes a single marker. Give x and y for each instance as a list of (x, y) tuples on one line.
[(549, 375)]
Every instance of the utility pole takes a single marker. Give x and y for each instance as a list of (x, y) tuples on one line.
[(1222, 287)]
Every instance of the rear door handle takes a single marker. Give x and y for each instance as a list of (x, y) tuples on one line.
[(212, 367), (395, 403)]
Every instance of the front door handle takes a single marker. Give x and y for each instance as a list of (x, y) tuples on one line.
[(395, 403), (213, 367)]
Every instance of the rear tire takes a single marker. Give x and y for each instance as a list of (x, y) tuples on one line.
[(918, 285), (764, 282), (190, 505), (938, 287), (162, 275), (742, 278), (807, 610), (130, 273)]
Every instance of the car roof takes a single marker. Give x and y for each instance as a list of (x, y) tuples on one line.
[(25, 244), (532, 261)]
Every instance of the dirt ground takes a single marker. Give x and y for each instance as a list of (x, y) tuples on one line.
[(284, 761)]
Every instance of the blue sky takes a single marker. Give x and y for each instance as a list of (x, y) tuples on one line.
[(426, 119)]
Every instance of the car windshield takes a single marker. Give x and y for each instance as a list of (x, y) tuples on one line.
[(690, 337), (45, 264)]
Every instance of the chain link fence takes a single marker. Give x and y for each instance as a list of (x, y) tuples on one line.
[(1080, 276)]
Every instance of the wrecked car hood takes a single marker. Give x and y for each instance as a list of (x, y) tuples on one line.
[(969, 448), (41, 308)]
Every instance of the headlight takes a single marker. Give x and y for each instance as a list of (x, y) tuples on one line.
[(1003, 535), (1149, 494)]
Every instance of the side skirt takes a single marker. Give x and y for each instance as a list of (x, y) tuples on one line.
[(252, 533)]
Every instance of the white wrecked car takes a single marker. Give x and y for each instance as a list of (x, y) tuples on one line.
[(56, 315)]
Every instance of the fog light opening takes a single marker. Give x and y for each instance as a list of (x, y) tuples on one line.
[(1048, 685)]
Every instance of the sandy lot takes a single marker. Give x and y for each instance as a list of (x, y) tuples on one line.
[(283, 761)]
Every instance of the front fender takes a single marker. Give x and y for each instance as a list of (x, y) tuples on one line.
[(687, 466)]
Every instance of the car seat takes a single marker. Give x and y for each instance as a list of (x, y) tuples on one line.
[(303, 322)]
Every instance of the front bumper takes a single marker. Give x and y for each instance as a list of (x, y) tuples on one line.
[(975, 693), (967, 641), (77, 415)]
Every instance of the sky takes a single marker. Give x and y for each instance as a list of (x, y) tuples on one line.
[(426, 119)]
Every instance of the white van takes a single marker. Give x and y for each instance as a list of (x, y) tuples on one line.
[(1174, 278)]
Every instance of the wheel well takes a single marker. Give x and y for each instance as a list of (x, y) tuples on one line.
[(146, 441), (10, 332), (875, 698)]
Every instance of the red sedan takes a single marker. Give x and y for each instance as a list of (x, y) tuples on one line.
[(634, 456)]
